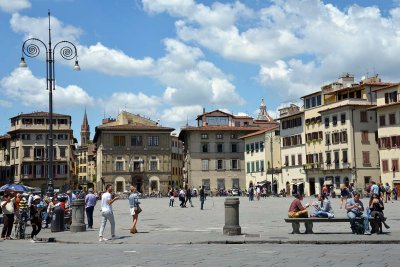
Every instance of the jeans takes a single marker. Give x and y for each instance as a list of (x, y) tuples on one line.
[(171, 202), (352, 216), (107, 215), (89, 214), (36, 227), (201, 202), (321, 214), (7, 225)]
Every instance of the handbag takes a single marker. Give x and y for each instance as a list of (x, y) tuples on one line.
[(138, 210)]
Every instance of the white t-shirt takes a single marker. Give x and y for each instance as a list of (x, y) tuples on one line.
[(8, 208), (105, 198)]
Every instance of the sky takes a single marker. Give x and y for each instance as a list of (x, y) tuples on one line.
[(169, 59)]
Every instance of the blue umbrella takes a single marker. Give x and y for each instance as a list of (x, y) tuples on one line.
[(14, 187)]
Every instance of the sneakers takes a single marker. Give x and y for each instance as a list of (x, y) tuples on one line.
[(367, 232), (102, 239)]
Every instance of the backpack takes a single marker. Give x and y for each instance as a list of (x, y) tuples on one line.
[(383, 189), (358, 228)]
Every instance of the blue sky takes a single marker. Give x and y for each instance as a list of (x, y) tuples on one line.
[(167, 59)]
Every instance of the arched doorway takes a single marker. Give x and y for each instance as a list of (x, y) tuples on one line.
[(138, 182), (154, 182)]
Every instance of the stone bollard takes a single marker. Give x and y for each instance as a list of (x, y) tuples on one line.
[(232, 226), (78, 216)]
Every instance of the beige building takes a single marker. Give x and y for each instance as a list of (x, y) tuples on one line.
[(26, 151), (214, 152), (388, 119), (293, 151), (340, 134), (5, 167), (133, 150), (263, 158)]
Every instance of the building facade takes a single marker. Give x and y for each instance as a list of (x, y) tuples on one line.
[(178, 174), (26, 151), (133, 150), (293, 151), (214, 152), (388, 119), (340, 134)]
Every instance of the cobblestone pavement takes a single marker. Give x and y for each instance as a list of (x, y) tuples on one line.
[(188, 236)]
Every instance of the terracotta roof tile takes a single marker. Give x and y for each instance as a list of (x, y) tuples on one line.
[(40, 114)]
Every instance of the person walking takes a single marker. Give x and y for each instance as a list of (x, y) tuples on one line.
[(171, 197), (107, 213), (90, 203), (7, 207), (202, 197), (36, 217), (182, 198), (134, 208), (189, 197)]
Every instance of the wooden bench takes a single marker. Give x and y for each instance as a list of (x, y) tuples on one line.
[(309, 222)]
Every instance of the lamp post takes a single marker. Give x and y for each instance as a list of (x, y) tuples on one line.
[(31, 48)]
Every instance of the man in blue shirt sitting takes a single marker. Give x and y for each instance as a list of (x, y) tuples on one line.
[(355, 208)]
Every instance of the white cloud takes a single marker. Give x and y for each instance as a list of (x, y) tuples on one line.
[(139, 103), (12, 6), (22, 87), (180, 115)]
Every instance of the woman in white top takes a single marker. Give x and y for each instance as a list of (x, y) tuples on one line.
[(134, 205)]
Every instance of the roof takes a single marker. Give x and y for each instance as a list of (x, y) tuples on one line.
[(221, 128), (387, 86), (359, 86), (40, 114), (384, 106), (259, 132), (315, 93), (129, 127), (347, 104), (291, 115), (217, 110)]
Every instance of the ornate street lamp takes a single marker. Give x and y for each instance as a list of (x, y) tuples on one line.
[(31, 48)]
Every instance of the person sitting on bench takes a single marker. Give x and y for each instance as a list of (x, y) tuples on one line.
[(325, 210), (296, 209), (355, 208), (376, 207)]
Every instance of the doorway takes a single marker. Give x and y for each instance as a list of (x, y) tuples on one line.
[(312, 186), (138, 182)]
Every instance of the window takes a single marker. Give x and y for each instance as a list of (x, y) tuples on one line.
[(61, 169), (235, 164), (261, 146), (313, 101), (204, 147), (326, 122), (385, 166), (391, 97), (257, 146), (392, 119), (252, 166), (27, 152), (334, 120), (247, 148), (343, 118), (221, 183), (153, 165), (335, 138), (366, 161), (61, 121), (204, 164), (364, 137), (308, 103), (217, 121), (237, 123), (286, 161), (328, 158), (299, 159), (233, 136), (220, 148), (248, 167), (39, 137), (382, 120), (119, 165), (363, 116), (220, 164), (25, 136), (257, 166), (136, 140), (318, 100), (38, 170), (395, 165), (204, 136), (293, 160), (63, 137), (153, 140), (252, 147), (234, 148), (343, 136), (206, 184), (62, 151), (119, 140), (220, 136), (336, 159), (38, 153), (327, 139), (26, 170), (262, 165), (344, 156)]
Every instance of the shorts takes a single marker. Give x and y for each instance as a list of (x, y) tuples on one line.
[(132, 211)]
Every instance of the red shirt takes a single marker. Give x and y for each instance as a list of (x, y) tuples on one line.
[(296, 206)]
